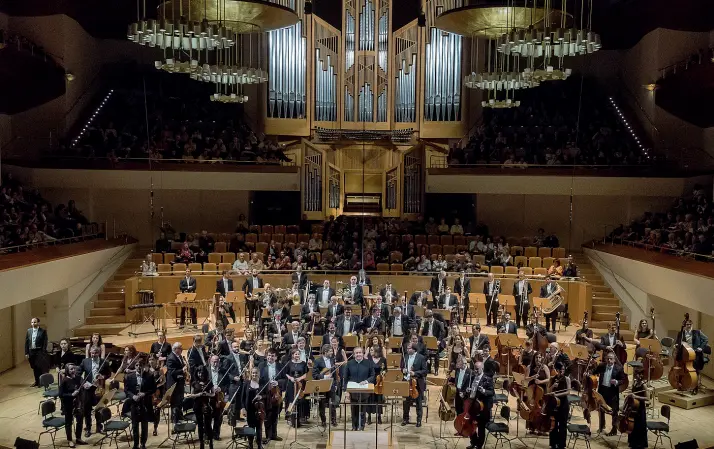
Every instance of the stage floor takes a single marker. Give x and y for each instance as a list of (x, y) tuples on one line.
[(19, 418)]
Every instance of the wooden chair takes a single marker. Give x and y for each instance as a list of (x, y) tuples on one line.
[(195, 268), (530, 251), (280, 229), (261, 247), (264, 237), (157, 258), (433, 240), (544, 252), (459, 240), (280, 238), (515, 249), (214, 258), (497, 269), (449, 249), (254, 229), (291, 238), (559, 253), (303, 238), (220, 247), (511, 270), (435, 249), (228, 258), (479, 259), (267, 229), (252, 238), (395, 256), (169, 257), (210, 268), (383, 267), (164, 268), (520, 260), (419, 240), (540, 271), (291, 229), (547, 262), (179, 269), (397, 267), (224, 266), (447, 240), (528, 271), (535, 262)]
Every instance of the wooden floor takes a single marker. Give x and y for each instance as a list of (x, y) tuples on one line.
[(19, 402)]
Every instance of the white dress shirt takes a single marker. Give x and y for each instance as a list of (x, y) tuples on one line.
[(256, 284), (460, 378), (271, 371), (33, 337), (346, 326), (410, 362), (607, 376), (397, 326)]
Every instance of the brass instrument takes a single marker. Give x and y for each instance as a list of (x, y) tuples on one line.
[(494, 294), (295, 295), (555, 300)]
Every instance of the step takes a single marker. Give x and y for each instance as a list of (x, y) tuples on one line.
[(601, 308), (107, 311), (109, 303), (603, 324), (105, 329), (110, 296), (113, 290), (122, 276), (131, 271), (606, 316), (114, 284), (111, 319), (606, 302), (626, 334), (601, 288), (601, 293), (133, 262)]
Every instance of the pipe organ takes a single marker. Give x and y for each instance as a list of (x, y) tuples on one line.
[(287, 67)]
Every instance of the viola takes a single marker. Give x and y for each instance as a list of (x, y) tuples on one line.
[(413, 390)]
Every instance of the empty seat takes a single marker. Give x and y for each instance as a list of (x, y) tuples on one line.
[(179, 268), (459, 240), (528, 271), (559, 253), (303, 238), (261, 247), (447, 240), (224, 266), (169, 257), (540, 271), (164, 268), (435, 249), (210, 268), (511, 270), (251, 238), (195, 267), (449, 249), (265, 237), (280, 229), (497, 269), (214, 258), (267, 229), (395, 256), (278, 238), (516, 249), (382, 267), (397, 267), (229, 257), (220, 247), (543, 252), (291, 238), (530, 251), (291, 229), (534, 262), (406, 238), (479, 259), (420, 240), (254, 229), (547, 262), (157, 258), (433, 240)]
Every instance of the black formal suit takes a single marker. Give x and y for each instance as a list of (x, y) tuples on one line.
[(195, 360), (251, 304), (334, 310), (545, 291), (275, 329), (162, 349), (319, 295), (142, 410), (357, 294), (175, 376), (234, 368), (188, 285), (437, 331), (698, 341), (87, 395), (392, 290), (611, 393), (249, 283), (415, 298), (490, 366), (405, 323), (61, 360), (302, 282), (305, 311), (271, 413), (463, 291), (384, 312), (522, 301), (419, 366), (491, 293), (605, 341), (358, 372), (354, 326), (479, 343), (317, 373), (507, 328), (461, 388), (221, 286), (327, 337), (372, 322), (449, 302), (290, 339), (409, 311), (434, 287), (483, 390), (66, 389), (35, 352), (224, 383), (366, 281)]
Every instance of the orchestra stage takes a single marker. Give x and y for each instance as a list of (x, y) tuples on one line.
[(19, 418)]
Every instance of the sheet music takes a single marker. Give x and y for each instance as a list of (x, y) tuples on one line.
[(357, 386)]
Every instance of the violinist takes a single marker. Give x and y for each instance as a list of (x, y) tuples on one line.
[(482, 390), (398, 324), (462, 380), (338, 352), (93, 370), (160, 348), (251, 401), (176, 375), (69, 391), (637, 439), (521, 291), (413, 366), (325, 368), (555, 355), (160, 380), (477, 342), (204, 395), (309, 309), (611, 375), (63, 357), (462, 286), (139, 386), (296, 373), (560, 389), (699, 342), (197, 355), (491, 289), (271, 376), (360, 371), (507, 326), (334, 309), (218, 374), (373, 323), (379, 365), (609, 340)]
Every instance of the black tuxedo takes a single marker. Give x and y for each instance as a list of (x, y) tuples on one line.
[(550, 318), (405, 322), (248, 285), (305, 311), (34, 355), (234, 369), (88, 398), (327, 337), (251, 304), (221, 288), (435, 281), (195, 360), (366, 281), (486, 397), (522, 310), (302, 283), (188, 285), (85, 370), (320, 292), (385, 312), (611, 393), (142, 411), (383, 294), (461, 392), (273, 328), (354, 325), (317, 373), (408, 310), (370, 322), (437, 329), (419, 366), (605, 341), (464, 293), (481, 344), (62, 360), (508, 328), (289, 340), (271, 413), (491, 301), (175, 376), (446, 301), (67, 387), (357, 295), (333, 311), (163, 349)]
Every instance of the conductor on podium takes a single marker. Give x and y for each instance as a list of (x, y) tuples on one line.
[(360, 371)]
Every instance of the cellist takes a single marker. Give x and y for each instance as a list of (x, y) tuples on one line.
[(482, 390), (462, 380), (611, 376), (539, 374)]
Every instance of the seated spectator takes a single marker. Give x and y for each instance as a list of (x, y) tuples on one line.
[(572, 269), (431, 226), (206, 243), (312, 263), (551, 241), (456, 228), (148, 267), (184, 255), (439, 264), (242, 225), (424, 265), (556, 269), (240, 266), (443, 228), (539, 239), (237, 244), (255, 263), (299, 262), (315, 244)]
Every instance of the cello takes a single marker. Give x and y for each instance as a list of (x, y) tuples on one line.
[(464, 424), (651, 363), (540, 340), (619, 350), (682, 375)]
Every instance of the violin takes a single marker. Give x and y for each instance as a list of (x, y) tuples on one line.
[(379, 382)]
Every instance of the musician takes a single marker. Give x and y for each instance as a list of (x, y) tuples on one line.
[(299, 279), (197, 355), (271, 376), (252, 282), (139, 387), (507, 326), (93, 370), (218, 375), (360, 371), (160, 380), (419, 298), (355, 292), (363, 279), (584, 336), (482, 390), (462, 286), (398, 324), (291, 337), (560, 389), (224, 285), (127, 362), (549, 288), (462, 380), (699, 342), (63, 358), (309, 309), (296, 373), (527, 354), (611, 375), (325, 368), (204, 404), (449, 301), (555, 355), (637, 439), (521, 291), (69, 390), (491, 289), (334, 309), (643, 331), (534, 327), (410, 312), (438, 286), (609, 341), (457, 345), (252, 397), (187, 285), (315, 327), (160, 348), (383, 307), (234, 364), (379, 364), (331, 332), (325, 293), (373, 322), (277, 326), (176, 375), (539, 374), (433, 328), (347, 324), (478, 342), (35, 345), (388, 293), (148, 266)]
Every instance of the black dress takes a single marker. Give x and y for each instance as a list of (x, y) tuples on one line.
[(248, 395), (296, 370), (637, 439), (380, 366)]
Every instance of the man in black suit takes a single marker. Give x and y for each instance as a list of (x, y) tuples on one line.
[(363, 279), (299, 280), (139, 387), (507, 326), (491, 289), (292, 335), (309, 309), (332, 332), (175, 376), (347, 323), (355, 292), (373, 322), (388, 293), (482, 390), (335, 309), (252, 282), (384, 309), (438, 285), (521, 292), (234, 364), (414, 367), (325, 293), (611, 376), (410, 312), (197, 355), (324, 368), (547, 289), (224, 284), (478, 342), (398, 324), (609, 340), (188, 285), (35, 345), (462, 380), (71, 387), (699, 342), (419, 297), (91, 369), (449, 302), (217, 375), (462, 287), (433, 328), (271, 375), (360, 371)]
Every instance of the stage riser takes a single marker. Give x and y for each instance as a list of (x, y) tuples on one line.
[(686, 400)]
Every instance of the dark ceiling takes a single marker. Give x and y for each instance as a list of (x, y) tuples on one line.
[(20, 92), (621, 23)]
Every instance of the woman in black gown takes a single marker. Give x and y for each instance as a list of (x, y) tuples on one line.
[(251, 402), (637, 439), (376, 357), (296, 372), (203, 405)]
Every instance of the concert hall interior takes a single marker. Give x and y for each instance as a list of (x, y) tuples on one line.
[(356, 223)]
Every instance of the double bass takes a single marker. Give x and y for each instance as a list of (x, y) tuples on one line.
[(682, 375), (619, 350), (651, 363), (540, 340), (465, 424)]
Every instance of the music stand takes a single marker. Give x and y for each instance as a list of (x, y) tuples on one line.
[(477, 302), (510, 341), (419, 311), (350, 341), (394, 360), (395, 343), (508, 302), (394, 390), (316, 388), (445, 313), (237, 299), (394, 375), (186, 300)]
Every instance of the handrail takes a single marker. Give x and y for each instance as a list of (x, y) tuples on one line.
[(102, 270), (623, 84), (527, 165), (622, 287), (54, 242), (159, 161), (686, 62), (658, 248)]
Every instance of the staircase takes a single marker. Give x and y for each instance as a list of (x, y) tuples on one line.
[(605, 304), (107, 313)]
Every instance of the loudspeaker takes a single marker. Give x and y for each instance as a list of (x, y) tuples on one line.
[(308, 7), (421, 19), (692, 444)]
